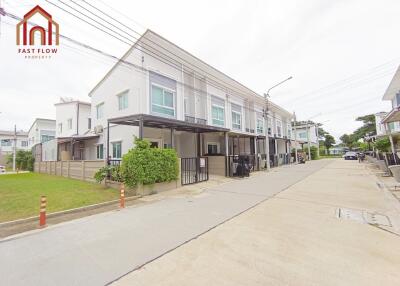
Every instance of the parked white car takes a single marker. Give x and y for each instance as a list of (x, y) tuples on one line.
[(2, 169)]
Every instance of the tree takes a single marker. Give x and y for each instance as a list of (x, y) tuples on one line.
[(329, 141), (383, 144), (367, 128), (23, 160), (347, 141)]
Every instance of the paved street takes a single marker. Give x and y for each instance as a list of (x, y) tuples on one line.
[(295, 238), (97, 250)]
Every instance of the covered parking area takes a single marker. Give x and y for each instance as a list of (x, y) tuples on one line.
[(187, 138)]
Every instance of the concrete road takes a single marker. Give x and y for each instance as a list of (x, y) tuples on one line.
[(294, 238), (99, 249)]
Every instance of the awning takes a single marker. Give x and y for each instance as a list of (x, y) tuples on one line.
[(167, 123), (392, 116), (76, 138)]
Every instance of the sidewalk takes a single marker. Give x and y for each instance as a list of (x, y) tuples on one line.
[(294, 238), (99, 249)]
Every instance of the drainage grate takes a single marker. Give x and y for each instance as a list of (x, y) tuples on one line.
[(363, 217)]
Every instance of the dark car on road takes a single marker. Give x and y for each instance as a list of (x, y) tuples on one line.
[(350, 156)]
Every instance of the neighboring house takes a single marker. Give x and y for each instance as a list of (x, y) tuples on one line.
[(302, 138), (391, 119), (185, 104), (7, 143), (74, 138), (42, 130)]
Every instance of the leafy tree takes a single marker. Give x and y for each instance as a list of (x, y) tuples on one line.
[(24, 160), (329, 141), (383, 144), (367, 127), (346, 140)]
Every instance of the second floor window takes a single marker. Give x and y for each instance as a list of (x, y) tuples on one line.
[(24, 143), (89, 123), (236, 116), (123, 100), (100, 111), (69, 123), (269, 126), (45, 138), (279, 128), (289, 131), (260, 125), (218, 115), (162, 101), (6, 142), (59, 128)]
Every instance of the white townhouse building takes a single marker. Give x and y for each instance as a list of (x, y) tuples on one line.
[(42, 130), (160, 92), (7, 139)]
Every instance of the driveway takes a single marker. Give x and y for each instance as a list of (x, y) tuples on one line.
[(99, 249), (295, 238)]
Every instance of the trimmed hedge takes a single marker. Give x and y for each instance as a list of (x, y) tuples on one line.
[(145, 165)]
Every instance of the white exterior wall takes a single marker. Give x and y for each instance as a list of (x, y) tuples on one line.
[(49, 150), (69, 110), (312, 134), (41, 127)]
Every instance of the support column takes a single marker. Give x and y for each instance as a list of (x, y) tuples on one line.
[(267, 143), (172, 138), (108, 143), (198, 144), (141, 128), (226, 138), (387, 127)]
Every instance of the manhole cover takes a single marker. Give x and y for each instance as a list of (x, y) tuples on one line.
[(363, 217)]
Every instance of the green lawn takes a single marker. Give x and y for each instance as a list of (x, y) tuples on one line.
[(20, 194)]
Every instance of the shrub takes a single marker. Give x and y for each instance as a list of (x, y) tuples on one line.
[(114, 171), (145, 165), (314, 153)]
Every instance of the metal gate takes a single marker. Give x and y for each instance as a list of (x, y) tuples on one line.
[(194, 170)]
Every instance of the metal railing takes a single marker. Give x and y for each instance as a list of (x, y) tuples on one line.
[(192, 119), (242, 165), (194, 170)]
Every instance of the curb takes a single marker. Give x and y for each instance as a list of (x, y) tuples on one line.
[(61, 213)]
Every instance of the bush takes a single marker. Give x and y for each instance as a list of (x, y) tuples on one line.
[(145, 165), (314, 153), (114, 171), (24, 160)]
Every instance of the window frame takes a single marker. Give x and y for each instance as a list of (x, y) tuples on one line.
[(217, 119), (98, 115), (260, 130), (235, 125), (120, 149), (69, 123), (98, 151), (121, 95), (173, 108), (217, 144), (60, 127)]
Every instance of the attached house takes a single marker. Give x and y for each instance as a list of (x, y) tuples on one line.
[(7, 139), (389, 123), (41, 131), (160, 92), (306, 134), (75, 139)]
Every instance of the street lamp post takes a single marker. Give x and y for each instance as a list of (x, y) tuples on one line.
[(266, 95)]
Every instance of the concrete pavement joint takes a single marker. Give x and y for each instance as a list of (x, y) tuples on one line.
[(213, 227)]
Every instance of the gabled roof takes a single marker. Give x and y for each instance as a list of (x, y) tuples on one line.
[(394, 86), (72, 101), (41, 119), (158, 45)]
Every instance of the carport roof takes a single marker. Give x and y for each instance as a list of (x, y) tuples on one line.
[(167, 123), (392, 116)]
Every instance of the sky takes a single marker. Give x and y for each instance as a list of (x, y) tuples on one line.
[(341, 54)]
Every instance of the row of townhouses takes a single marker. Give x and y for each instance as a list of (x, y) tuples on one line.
[(181, 103), (388, 123)]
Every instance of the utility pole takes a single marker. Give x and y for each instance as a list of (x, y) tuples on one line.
[(266, 95), (15, 147), (295, 137), (308, 141)]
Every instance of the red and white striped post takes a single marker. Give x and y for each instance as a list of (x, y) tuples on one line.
[(122, 196), (42, 216)]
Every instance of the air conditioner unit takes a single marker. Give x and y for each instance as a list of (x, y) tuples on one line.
[(98, 129)]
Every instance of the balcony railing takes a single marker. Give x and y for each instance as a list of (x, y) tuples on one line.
[(249, 130), (192, 119)]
